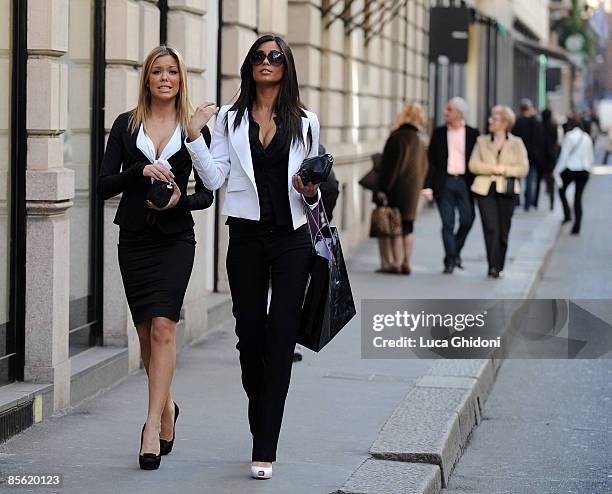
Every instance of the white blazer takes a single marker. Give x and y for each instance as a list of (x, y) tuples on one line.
[(229, 158)]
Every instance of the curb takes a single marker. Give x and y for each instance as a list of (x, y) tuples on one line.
[(430, 428)]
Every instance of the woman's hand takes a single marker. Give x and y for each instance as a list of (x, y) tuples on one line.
[(309, 190), (158, 172), (174, 199), (200, 118), (428, 193), (498, 169)]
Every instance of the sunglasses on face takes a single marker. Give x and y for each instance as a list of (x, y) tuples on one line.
[(275, 57)]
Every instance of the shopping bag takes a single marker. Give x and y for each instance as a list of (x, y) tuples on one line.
[(328, 301)]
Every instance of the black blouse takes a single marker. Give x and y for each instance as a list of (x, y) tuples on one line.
[(271, 165), (271, 168), (121, 173)]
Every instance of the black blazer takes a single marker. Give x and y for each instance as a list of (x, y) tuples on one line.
[(121, 172), (438, 158)]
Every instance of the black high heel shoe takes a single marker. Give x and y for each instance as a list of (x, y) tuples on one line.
[(148, 461), (166, 446)]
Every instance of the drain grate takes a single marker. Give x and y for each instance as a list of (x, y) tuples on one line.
[(16, 419)]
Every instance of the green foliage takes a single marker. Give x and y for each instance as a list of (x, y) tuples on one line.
[(575, 24)]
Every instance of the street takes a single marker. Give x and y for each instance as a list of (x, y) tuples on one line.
[(547, 427), (336, 406)]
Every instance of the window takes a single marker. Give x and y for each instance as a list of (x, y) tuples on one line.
[(5, 187), (77, 157)]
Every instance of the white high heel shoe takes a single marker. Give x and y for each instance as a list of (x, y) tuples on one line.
[(261, 472)]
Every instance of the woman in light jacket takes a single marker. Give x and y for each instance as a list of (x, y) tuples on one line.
[(258, 145), (574, 165), (498, 160)]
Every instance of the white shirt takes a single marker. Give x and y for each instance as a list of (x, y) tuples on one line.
[(145, 144), (576, 152)]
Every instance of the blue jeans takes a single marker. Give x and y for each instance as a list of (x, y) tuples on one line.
[(455, 195), (529, 187)]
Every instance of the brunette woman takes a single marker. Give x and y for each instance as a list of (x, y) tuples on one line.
[(258, 145), (156, 245)]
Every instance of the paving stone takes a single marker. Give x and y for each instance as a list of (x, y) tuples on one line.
[(425, 427), (393, 477)]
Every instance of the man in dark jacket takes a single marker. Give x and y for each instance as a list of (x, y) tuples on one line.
[(448, 179), (530, 130)]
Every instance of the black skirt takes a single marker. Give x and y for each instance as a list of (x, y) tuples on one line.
[(155, 268)]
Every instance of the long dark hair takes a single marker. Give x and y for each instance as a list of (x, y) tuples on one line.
[(288, 106)]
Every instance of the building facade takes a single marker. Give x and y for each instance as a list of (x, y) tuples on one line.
[(506, 42), (72, 66)]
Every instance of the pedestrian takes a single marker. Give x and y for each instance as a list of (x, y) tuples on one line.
[(403, 169), (574, 165), (549, 158), (529, 129), (156, 244), (499, 159), (258, 145), (449, 179)]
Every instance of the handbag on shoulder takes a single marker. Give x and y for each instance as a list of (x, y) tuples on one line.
[(509, 188), (370, 180)]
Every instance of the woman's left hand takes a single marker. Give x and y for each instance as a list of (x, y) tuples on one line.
[(308, 190), (174, 199)]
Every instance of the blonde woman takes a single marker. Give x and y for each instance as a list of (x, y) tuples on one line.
[(156, 245), (403, 170), (498, 160)]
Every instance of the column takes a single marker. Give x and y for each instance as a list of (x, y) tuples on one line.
[(49, 193)]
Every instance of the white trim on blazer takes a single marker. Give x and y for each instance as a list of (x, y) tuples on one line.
[(229, 158)]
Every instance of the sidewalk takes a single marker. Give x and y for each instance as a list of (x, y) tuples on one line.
[(336, 407)]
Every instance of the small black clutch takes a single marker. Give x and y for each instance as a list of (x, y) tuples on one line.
[(316, 170), (160, 193)]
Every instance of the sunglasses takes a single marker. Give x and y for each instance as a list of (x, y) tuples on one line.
[(275, 57)]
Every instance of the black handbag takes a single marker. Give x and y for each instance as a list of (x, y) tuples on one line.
[(328, 302), (370, 180), (509, 189), (316, 169), (160, 193)]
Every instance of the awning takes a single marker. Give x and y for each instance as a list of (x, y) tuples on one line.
[(536, 49)]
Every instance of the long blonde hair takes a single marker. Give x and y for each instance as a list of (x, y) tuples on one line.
[(412, 113), (184, 108)]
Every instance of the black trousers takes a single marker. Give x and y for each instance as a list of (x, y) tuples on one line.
[(496, 214), (580, 178), (257, 256), (455, 196)]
